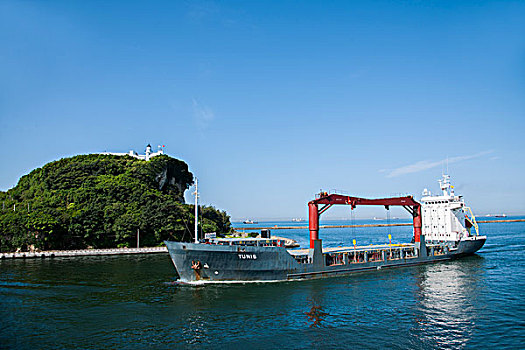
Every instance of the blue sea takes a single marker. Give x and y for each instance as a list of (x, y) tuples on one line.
[(129, 302)]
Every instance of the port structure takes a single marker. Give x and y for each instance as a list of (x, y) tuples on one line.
[(327, 200)]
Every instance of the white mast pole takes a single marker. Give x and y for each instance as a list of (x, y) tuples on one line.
[(196, 211)]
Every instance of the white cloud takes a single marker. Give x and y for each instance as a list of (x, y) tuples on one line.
[(203, 115), (426, 164)]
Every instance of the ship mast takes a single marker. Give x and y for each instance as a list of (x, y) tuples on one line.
[(196, 193)]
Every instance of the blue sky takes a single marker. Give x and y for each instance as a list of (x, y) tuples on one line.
[(271, 101)]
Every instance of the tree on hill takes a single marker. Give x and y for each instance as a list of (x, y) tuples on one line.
[(101, 201)]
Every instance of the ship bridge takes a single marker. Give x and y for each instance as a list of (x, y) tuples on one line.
[(445, 216)]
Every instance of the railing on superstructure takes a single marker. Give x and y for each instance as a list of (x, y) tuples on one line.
[(471, 219)]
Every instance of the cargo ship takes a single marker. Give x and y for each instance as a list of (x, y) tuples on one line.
[(444, 228)]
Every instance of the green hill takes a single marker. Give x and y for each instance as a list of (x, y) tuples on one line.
[(100, 201)]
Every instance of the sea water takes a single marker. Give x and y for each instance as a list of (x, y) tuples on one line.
[(129, 302)]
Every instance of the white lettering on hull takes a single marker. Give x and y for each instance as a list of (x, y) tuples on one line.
[(247, 256)]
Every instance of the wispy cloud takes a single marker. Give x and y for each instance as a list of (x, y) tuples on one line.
[(201, 10), (211, 12), (426, 164), (202, 114)]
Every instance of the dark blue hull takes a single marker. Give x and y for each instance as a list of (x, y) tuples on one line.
[(197, 263)]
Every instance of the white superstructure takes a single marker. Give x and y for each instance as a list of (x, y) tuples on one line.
[(445, 217)]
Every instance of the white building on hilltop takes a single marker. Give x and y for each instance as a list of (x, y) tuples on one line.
[(134, 154)]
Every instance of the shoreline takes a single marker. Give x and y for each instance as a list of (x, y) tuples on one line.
[(275, 227), (83, 252), (163, 249)]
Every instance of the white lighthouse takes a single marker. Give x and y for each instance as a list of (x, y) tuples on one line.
[(148, 152)]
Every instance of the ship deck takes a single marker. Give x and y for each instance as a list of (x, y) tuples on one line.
[(371, 247)]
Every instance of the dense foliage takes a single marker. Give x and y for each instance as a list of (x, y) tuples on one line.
[(101, 201)]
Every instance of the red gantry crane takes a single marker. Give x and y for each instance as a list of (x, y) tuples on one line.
[(327, 200)]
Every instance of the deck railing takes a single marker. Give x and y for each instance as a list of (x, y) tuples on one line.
[(471, 219)]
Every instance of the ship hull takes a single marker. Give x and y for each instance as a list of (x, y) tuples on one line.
[(206, 263), (229, 263), (469, 246)]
